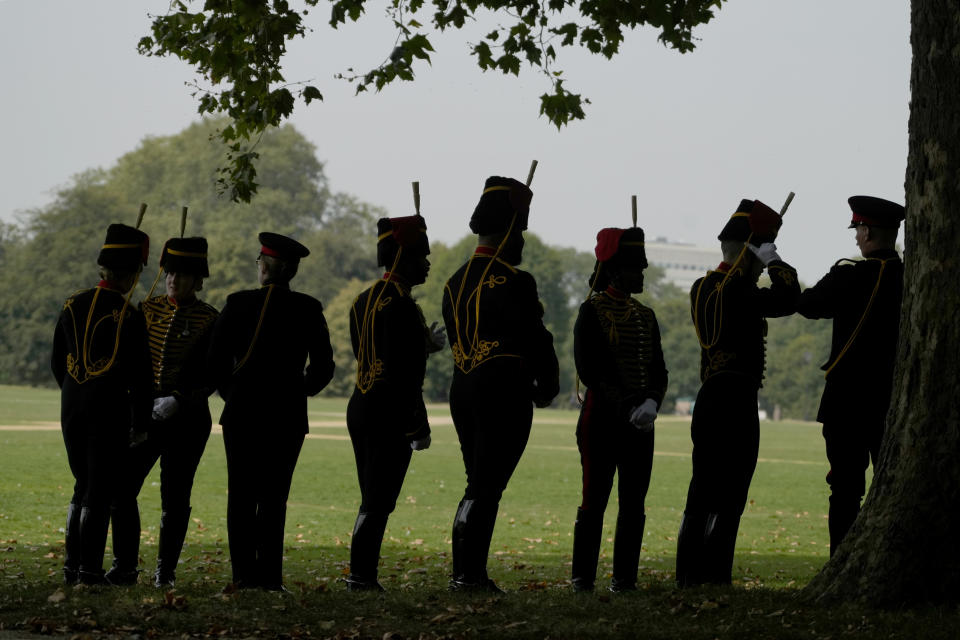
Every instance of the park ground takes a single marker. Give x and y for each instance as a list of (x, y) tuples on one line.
[(782, 544)]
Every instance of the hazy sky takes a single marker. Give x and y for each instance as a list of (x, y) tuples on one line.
[(810, 96)]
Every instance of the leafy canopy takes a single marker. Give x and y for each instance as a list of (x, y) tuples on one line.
[(238, 45)]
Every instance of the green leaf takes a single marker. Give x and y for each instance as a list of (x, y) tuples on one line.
[(311, 93)]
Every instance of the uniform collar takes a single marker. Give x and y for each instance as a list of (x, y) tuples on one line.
[(616, 293), (107, 284), (484, 250), (882, 254), (396, 278)]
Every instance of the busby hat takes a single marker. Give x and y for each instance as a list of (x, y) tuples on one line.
[(875, 212), (623, 246), (753, 220), (124, 249), (408, 232), (502, 198), (282, 247), (185, 255)]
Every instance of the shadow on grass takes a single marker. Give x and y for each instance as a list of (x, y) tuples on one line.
[(539, 603)]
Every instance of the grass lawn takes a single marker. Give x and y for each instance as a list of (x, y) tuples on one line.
[(782, 543)]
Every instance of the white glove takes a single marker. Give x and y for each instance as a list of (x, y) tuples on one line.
[(766, 252), (164, 408), (436, 338), (642, 417), (420, 445)]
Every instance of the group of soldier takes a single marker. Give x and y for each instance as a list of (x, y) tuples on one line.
[(135, 383)]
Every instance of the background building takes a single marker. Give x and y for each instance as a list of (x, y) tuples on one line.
[(682, 263)]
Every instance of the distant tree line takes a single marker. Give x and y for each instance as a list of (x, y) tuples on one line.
[(50, 252)]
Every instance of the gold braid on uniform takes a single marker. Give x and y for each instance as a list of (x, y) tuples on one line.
[(477, 351), (629, 328), (256, 333), (172, 331), (863, 318), (716, 297), (369, 366), (97, 368)]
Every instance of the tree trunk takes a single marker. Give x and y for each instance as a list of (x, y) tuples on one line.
[(905, 546)]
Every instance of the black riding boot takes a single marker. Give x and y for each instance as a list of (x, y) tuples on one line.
[(71, 546), (365, 551), (627, 542), (720, 541), (126, 544), (456, 537), (842, 514), (690, 542), (94, 522), (473, 528), (587, 534), (173, 531)]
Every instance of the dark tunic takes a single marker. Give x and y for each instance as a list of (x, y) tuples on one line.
[(257, 357), (105, 387), (729, 312), (620, 360), (732, 328), (386, 410), (863, 298), (504, 361), (178, 337), (864, 369)]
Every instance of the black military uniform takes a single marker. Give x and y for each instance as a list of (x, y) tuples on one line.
[(619, 358), (863, 299), (101, 364), (178, 335), (729, 312), (260, 344), (386, 416), (504, 363)]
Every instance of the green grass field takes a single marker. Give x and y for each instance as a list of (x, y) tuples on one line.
[(782, 544), (783, 537)]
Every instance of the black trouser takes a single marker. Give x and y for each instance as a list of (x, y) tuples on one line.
[(725, 430), (850, 447), (260, 464), (96, 448), (492, 415), (382, 453), (178, 444), (610, 445)]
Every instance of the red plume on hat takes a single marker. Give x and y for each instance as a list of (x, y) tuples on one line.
[(764, 223), (608, 241), (407, 232)]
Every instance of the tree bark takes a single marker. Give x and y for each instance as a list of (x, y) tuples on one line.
[(905, 546)]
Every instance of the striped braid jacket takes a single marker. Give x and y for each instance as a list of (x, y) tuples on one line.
[(178, 337), (617, 349)]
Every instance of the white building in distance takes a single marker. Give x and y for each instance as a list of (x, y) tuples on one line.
[(682, 263)]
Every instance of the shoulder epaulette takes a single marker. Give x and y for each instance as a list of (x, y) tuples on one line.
[(842, 261)]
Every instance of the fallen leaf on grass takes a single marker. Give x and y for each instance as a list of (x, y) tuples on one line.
[(57, 596), (173, 601)]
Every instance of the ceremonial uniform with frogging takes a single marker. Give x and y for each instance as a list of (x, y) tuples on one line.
[(504, 362), (101, 364), (863, 298), (620, 360), (178, 335), (386, 416), (729, 313), (261, 343)]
